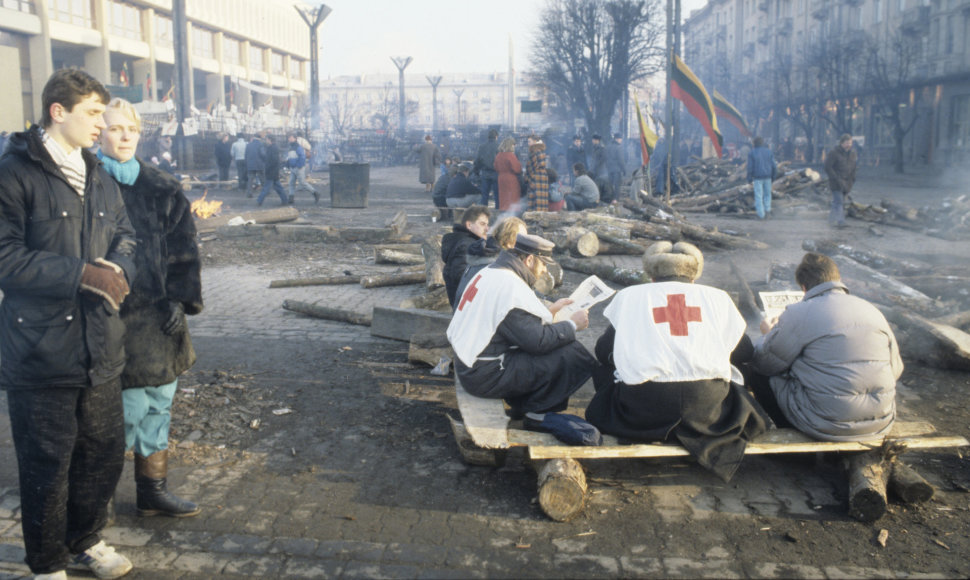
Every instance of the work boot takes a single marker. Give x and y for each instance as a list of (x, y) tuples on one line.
[(316, 196), (151, 484)]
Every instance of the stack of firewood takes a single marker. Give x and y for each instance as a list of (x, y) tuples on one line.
[(949, 220)]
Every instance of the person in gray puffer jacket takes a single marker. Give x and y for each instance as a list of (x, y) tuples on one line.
[(832, 359)]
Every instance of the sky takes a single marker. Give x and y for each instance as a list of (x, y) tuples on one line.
[(442, 36)]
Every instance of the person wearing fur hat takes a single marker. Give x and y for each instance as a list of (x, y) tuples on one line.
[(667, 364), (508, 347), (167, 286)]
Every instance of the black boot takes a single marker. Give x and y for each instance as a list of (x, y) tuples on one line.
[(151, 486)]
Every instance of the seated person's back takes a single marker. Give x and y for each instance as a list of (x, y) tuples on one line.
[(832, 359)]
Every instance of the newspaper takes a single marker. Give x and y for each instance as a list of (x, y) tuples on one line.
[(776, 302), (591, 291)]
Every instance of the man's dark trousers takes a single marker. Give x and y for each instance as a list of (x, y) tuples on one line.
[(70, 446), (489, 188)]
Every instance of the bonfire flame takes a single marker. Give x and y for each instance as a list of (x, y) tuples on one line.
[(205, 209)]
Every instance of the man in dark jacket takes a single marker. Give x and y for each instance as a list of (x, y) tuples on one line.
[(761, 172), (615, 164), (454, 246), (461, 191), (66, 249), (271, 172), (598, 170), (575, 154), (255, 155), (840, 166), (507, 345), (223, 156), (485, 167)]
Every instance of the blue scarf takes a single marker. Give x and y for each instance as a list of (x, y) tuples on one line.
[(125, 173)]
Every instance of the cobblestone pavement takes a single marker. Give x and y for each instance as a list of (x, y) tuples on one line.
[(363, 480)]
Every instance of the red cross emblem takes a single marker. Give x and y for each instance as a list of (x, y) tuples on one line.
[(677, 314), (470, 292)]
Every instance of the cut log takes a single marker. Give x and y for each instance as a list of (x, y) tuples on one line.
[(366, 235), (613, 245), (260, 216), (403, 323), (398, 223), (908, 485), (397, 279), (547, 219), (610, 230), (433, 266), (577, 240), (562, 489), (555, 270), (878, 287), (868, 257), (931, 342), (747, 302), (900, 211), (436, 299), (317, 281), (471, 453), (867, 486), (959, 320), (624, 276), (388, 256), (406, 248), (327, 313)]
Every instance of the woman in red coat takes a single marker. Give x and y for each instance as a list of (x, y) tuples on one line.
[(509, 169)]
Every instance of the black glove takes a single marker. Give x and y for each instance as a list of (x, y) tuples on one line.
[(176, 318), (106, 280)]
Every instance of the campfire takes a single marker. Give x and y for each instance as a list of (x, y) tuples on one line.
[(205, 209)]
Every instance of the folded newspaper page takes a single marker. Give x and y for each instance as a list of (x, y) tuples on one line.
[(590, 292), (776, 302)]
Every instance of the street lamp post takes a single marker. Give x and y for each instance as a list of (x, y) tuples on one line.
[(434, 101), (402, 62), (459, 93), (314, 15)]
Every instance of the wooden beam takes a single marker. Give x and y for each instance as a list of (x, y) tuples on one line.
[(403, 323)]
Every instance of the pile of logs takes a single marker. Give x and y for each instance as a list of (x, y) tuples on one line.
[(735, 195), (949, 221)]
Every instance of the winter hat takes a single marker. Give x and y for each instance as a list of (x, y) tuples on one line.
[(667, 260)]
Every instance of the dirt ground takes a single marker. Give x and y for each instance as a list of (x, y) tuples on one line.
[(338, 407)]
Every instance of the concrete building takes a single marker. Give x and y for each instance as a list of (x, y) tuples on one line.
[(241, 52), (810, 69), (370, 102)]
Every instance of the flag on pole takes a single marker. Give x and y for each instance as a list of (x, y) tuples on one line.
[(686, 88), (148, 85), (648, 139), (170, 94), (726, 110), (123, 77)]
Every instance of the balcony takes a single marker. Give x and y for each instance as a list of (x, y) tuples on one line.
[(822, 12), (916, 21), (764, 5)]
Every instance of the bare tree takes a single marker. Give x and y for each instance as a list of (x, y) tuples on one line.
[(342, 113), (891, 69), (586, 53), (788, 98), (836, 65)]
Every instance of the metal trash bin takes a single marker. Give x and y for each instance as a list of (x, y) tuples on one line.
[(349, 184)]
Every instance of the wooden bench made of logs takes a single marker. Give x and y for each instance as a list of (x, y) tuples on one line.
[(484, 437)]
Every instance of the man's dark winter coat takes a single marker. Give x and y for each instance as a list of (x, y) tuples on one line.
[(254, 155), (485, 160), (223, 154), (271, 159), (169, 271), (454, 253), (50, 334)]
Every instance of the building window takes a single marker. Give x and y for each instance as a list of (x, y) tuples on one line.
[(231, 50), (276, 63), (76, 12), (960, 122), (296, 69), (203, 42), (124, 21), (19, 5), (164, 34), (256, 58)]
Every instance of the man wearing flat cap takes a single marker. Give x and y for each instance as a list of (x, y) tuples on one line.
[(666, 361), (506, 343)]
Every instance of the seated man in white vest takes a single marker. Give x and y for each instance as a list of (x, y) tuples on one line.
[(667, 361), (508, 347)]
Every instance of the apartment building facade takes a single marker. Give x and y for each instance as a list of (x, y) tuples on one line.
[(242, 53), (811, 69)]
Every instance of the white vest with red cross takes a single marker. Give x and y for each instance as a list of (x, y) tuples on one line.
[(492, 294), (673, 331)]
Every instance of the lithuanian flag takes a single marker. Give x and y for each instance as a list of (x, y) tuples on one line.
[(726, 110), (686, 88), (648, 139)]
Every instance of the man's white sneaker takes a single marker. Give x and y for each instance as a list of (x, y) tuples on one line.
[(59, 575), (103, 561)]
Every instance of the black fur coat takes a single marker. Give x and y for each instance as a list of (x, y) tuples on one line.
[(168, 270)]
